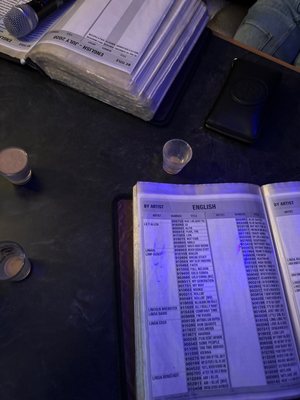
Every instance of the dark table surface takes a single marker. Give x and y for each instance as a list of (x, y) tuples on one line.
[(59, 328)]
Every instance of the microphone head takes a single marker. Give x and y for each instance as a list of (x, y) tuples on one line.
[(20, 20)]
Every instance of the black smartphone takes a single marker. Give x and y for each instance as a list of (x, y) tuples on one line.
[(238, 110)]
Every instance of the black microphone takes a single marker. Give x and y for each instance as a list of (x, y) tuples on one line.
[(24, 18)]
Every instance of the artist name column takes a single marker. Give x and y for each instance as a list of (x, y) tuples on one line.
[(277, 316), (269, 311)]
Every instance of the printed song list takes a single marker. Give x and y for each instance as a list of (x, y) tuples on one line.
[(204, 346), (215, 303)]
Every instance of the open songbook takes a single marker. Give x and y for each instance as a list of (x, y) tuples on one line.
[(126, 53), (217, 291)]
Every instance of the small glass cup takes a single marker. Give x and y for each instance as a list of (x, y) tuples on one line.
[(176, 154), (14, 165), (14, 264)]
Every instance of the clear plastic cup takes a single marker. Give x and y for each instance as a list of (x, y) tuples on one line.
[(176, 154), (14, 165), (14, 264)]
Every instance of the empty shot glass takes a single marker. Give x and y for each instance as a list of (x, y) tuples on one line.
[(14, 264), (176, 154), (14, 165)]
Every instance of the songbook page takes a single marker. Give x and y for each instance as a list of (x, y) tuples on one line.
[(112, 32), (213, 315), (283, 206)]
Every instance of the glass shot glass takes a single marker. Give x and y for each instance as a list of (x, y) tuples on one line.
[(14, 264), (176, 154), (14, 165)]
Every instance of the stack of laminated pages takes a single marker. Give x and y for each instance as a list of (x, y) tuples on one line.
[(125, 53)]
